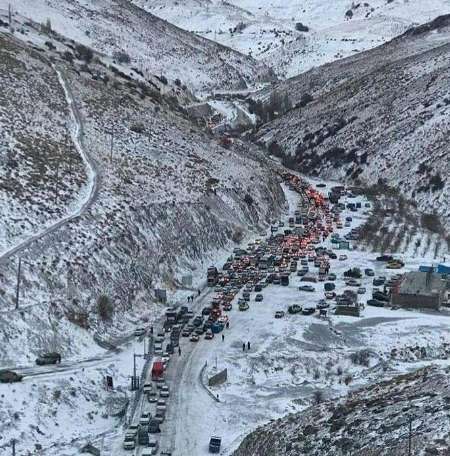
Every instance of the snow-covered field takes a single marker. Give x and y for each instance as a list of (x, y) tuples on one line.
[(267, 29)]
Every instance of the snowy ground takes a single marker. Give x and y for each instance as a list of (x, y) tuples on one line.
[(267, 30)]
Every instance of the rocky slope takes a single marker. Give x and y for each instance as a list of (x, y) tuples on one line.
[(382, 115), (372, 421)]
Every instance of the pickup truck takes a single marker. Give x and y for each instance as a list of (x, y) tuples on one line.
[(214, 444)]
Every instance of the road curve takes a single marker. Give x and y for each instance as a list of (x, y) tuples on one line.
[(77, 134)]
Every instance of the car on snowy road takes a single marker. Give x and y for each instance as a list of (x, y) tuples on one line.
[(308, 288), (48, 358), (152, 396), (243, 306), (145, 419), (375, 303), (279, 314), (129, 443), (294, 309), (209, 335), (153, 427), (214, 444), (361, 290), (259, 297), (308, 310), (369, 272), (342, 257), (8, 376), (194, 338), (228, 306), (152, 448)]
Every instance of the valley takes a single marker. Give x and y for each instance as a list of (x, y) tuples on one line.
[(206, 188)]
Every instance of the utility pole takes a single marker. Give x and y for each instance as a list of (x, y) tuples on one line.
[(410, 436), (112, 146), (13, 446), (10, 17), (56, 183), (18, 284)]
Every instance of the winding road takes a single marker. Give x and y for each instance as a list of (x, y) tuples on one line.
[(77, 133)]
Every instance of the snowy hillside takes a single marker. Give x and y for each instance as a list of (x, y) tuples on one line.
[(268, 31), (154, 46), (42, 173), (373, 421), (381, 116)]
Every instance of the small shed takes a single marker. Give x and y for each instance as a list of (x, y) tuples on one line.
[(420, 290)]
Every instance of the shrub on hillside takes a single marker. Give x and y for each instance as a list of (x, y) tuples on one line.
[(121, 57), (105, 308), (83, 53)]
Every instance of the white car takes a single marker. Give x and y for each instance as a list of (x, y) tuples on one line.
[(342, 257), (145, 419), (152, 448), (164, 393), (152, 396), (129, 443), (147, 387)]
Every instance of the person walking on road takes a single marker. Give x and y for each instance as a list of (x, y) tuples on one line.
[(243, 347), (223, 337), (248, 345), (179, 350), (198, 292), (228, 325)]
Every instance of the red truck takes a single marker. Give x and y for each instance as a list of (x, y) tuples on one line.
[(158, 371)]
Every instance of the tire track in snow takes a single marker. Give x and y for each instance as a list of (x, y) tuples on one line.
[(77, 134)]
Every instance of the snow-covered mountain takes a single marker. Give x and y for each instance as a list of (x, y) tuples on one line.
[(380, 116), (293, 36), (154, 46), (369, 422)]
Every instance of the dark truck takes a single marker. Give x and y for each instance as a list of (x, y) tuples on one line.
[(214, 444)]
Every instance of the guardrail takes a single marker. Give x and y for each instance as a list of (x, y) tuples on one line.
[(202, 371)]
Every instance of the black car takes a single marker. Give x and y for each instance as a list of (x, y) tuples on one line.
[(48, 358), (375, 303), (143, 436), (206, 311), (153, 426), (198, 321), (169, 349), (8, 376), (378, 282), (380, 296), (385, 258)]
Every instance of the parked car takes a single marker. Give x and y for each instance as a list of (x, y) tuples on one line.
[(48, 358), (259, 297), (228, 306), (243, 306), (147, 387), (308, 288), (279, 314), (152, 396), (308, 310), (194, 338), (375, 303), (206, 310), (143, 437), (209, 335), (294, 309), (214, 444), (153, 426), (369, 272), (129, 443), (342, 257), (380, 296), (164, 392), (361, 290), (152, 448), (9, 376)]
